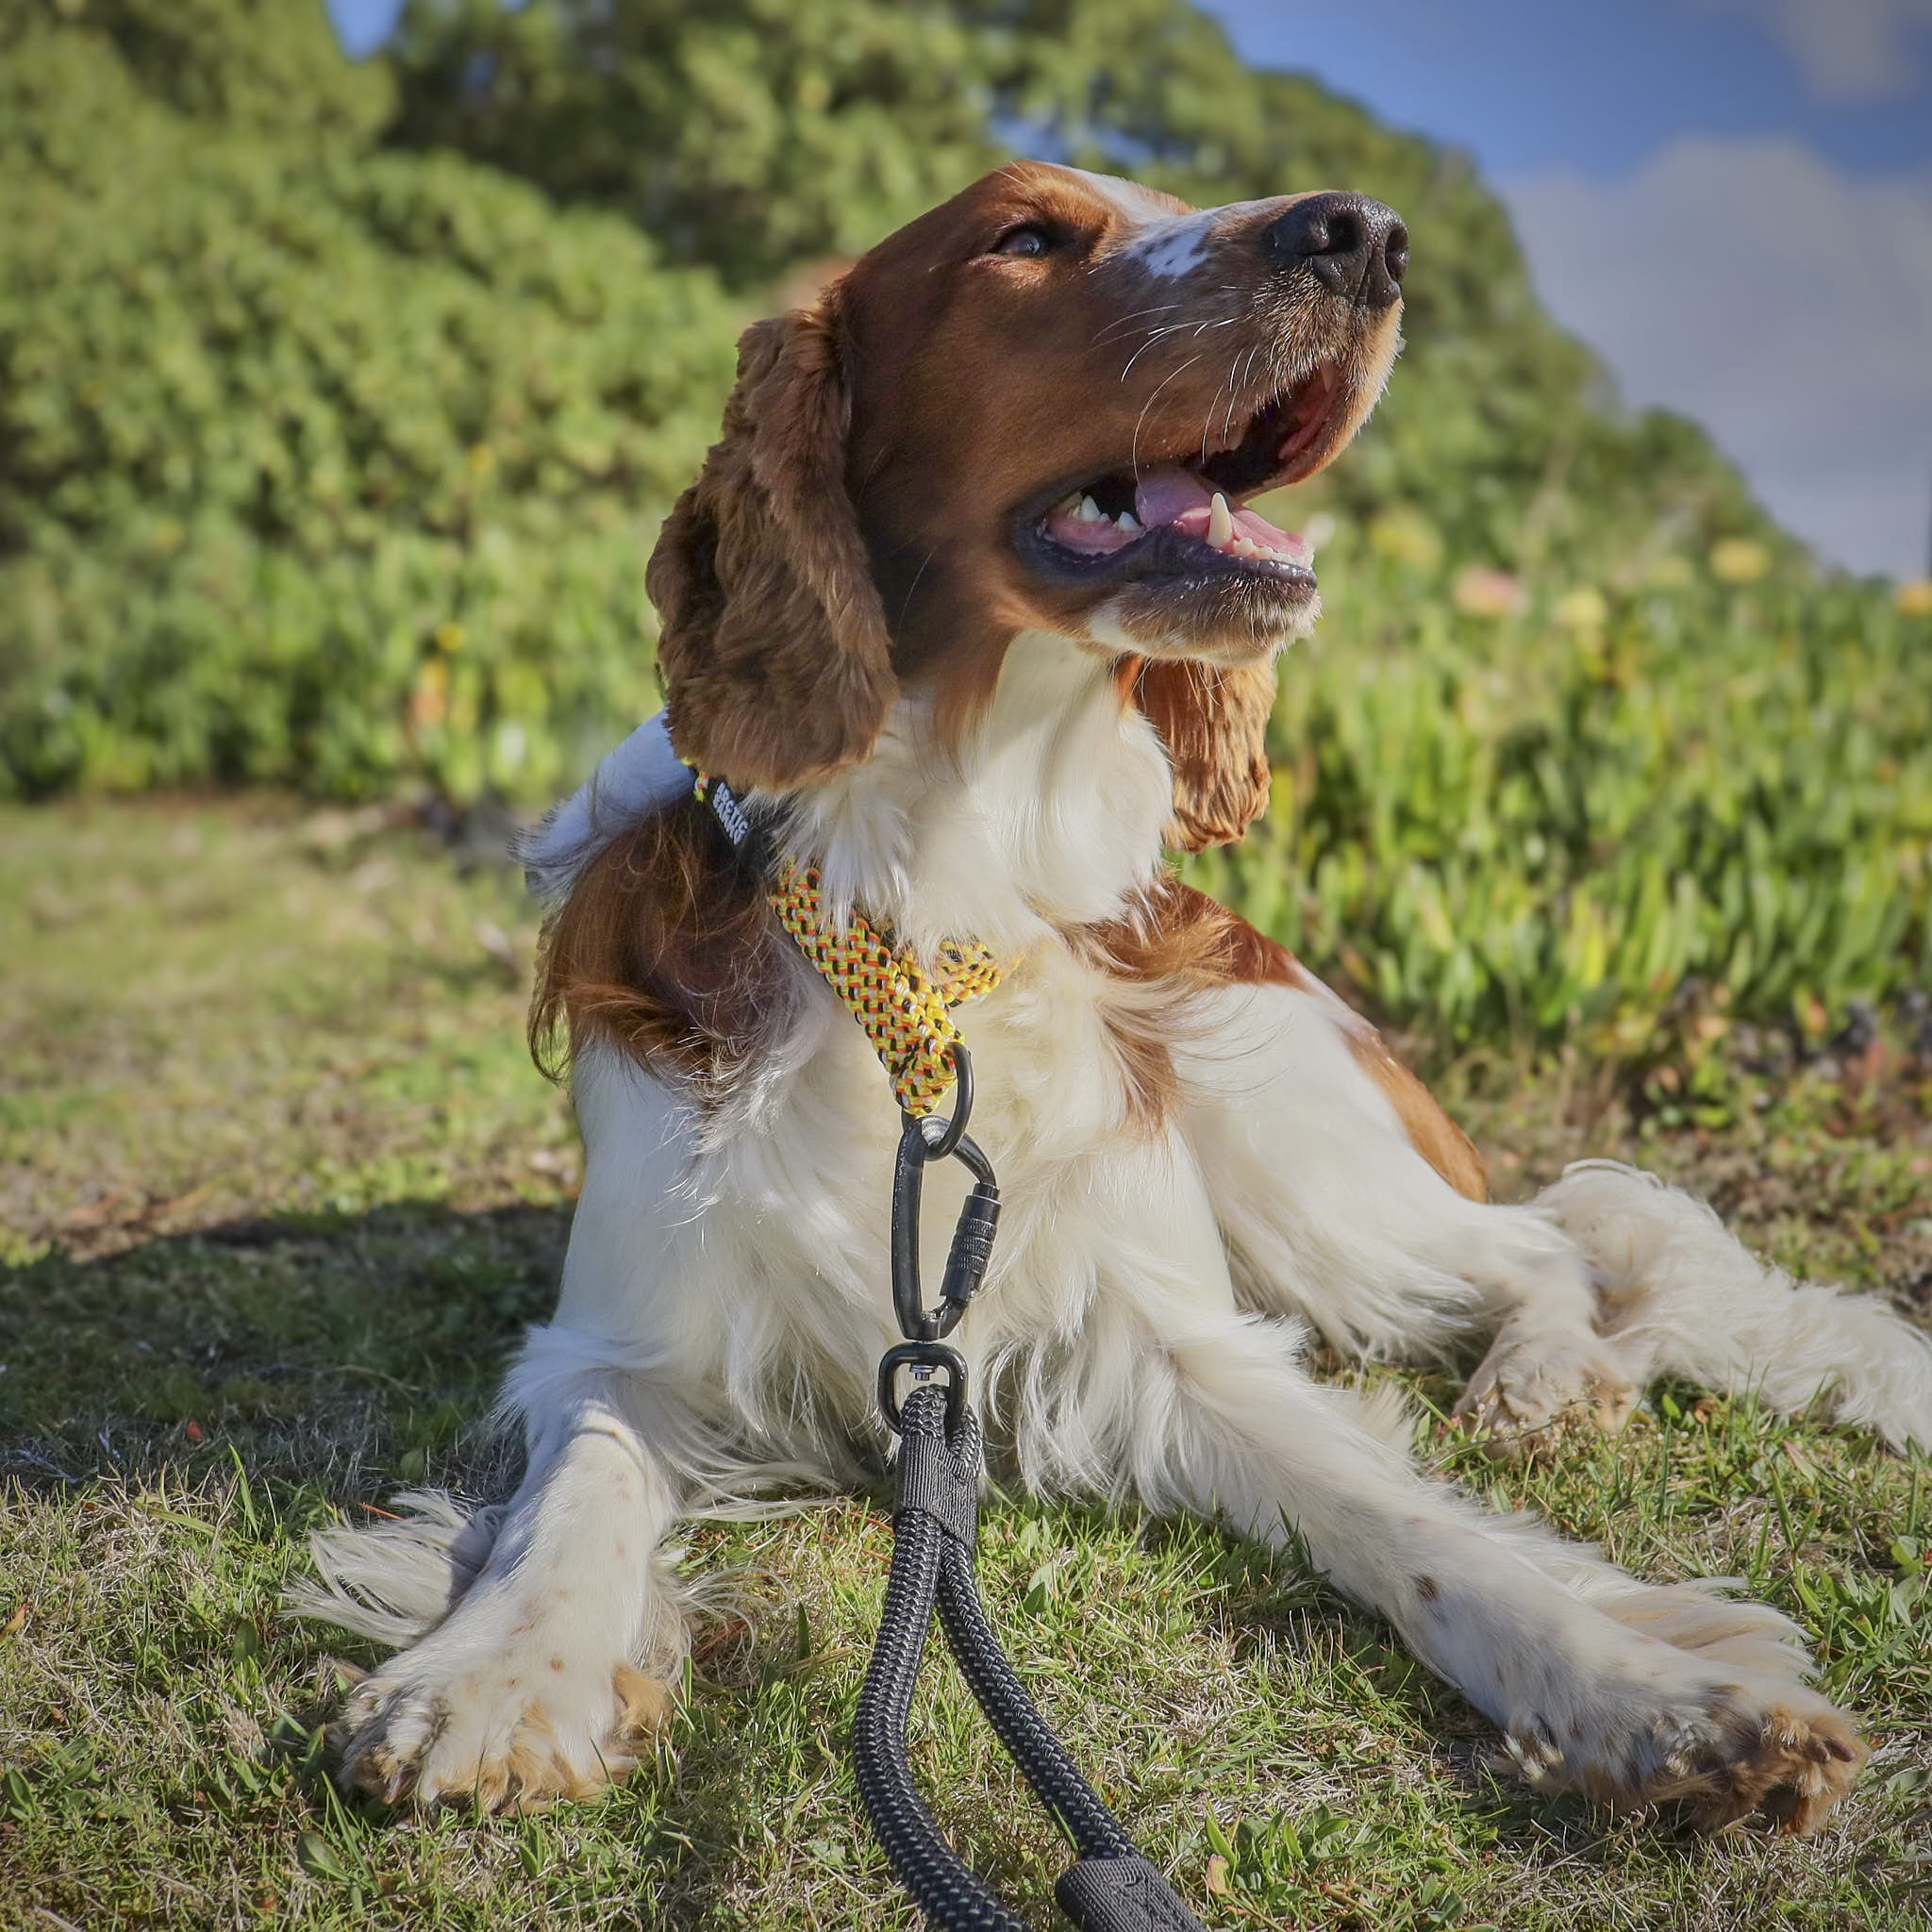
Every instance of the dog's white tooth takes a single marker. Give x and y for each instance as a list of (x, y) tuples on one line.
[(1245, 546), (1125, 521), (1090, 511), (1220, 523)]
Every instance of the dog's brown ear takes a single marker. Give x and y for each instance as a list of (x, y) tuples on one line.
[(772, 644), (1214, 724)]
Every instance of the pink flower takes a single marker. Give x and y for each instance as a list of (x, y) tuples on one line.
[(1485, 593)]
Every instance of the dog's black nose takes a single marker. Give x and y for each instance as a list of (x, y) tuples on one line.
[(1355, 246)]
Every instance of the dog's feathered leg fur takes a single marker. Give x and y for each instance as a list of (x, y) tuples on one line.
[(395, 1581), (1608, 1279), (1633, 1693), (531, 1686), (1682, 1297)]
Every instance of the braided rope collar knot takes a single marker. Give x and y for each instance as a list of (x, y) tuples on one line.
[(904, 1006)]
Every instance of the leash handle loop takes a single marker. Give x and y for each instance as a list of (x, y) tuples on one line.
[(1110, 1887)]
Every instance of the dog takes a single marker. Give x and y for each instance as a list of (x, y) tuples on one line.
[(967, 611)]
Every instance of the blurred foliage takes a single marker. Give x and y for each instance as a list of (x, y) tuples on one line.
[(319, 464), (331, 452), (1628, 815), (748, 135), (752, 135), (260, 63)]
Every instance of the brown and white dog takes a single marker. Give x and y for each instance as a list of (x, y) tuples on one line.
[(955, 608)]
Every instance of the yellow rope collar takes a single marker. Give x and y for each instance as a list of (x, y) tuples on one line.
[(904, 1008)]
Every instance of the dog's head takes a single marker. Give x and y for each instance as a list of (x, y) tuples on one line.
[(1040, 407)]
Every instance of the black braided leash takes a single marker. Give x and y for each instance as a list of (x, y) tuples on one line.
[(1109, 1886)]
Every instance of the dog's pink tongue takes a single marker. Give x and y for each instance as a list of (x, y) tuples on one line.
[(1171, 494), (1163, 495)]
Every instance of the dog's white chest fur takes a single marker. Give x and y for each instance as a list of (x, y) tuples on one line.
[(1050, 815), (752, 1246)]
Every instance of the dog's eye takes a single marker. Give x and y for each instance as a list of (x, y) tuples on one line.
[(1022, 242)]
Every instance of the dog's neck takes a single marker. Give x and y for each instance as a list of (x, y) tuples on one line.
[(1049, 816)]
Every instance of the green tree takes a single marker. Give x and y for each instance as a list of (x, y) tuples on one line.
[(319, 464), (330, 451), (748, 135), (754, 135), (270, 64)]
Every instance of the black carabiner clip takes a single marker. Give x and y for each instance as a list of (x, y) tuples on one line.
[(962, 1105), (972, 1246)]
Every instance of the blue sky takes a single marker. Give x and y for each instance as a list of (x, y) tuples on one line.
[(1731, 200), (363, 25), (1601, 85)]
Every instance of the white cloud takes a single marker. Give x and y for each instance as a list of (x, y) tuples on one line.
[(1846, 50), (1781, 301)]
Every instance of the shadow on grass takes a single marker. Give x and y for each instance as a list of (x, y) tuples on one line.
[(320, 1348), (316, 1363)]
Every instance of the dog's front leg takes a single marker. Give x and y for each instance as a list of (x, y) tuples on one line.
[(1631, 1693), (530, 1689)]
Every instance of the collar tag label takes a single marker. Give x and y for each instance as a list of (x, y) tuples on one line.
[(730, 814)]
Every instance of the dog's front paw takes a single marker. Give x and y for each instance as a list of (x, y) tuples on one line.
[(1787, 1758), (504, 1730), (1531, 1387), (1758, 1745)]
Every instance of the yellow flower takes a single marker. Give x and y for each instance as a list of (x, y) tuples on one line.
[(1407, 535), (1914, 597), (449, 634), (1480, 592), (1582, 609), (1739, 560)]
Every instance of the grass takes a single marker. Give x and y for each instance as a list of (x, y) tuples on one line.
[(280, 1189), (1709, 805)]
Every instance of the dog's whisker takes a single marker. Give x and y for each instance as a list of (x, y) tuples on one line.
[(905, 604), (1166, 329), (1134, 446), (1120, 322), (1236, 390), (1208, 419)]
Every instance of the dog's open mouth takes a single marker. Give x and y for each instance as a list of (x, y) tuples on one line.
[(1185, 517)]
